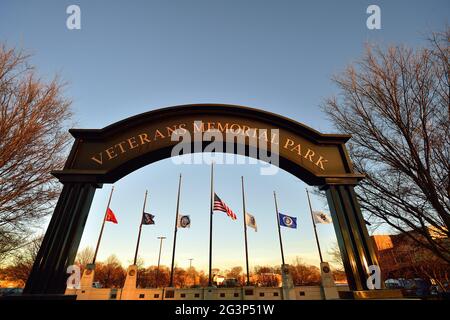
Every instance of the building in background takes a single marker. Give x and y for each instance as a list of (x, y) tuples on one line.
[(405, 263)]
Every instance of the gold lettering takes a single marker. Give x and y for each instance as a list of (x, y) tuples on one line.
[(182, 128), (170, 130), (99, 161), (132, 142), (211, 126), (289, 143), (122, 150), (245, 130), (274, 135), (309, 154), (158, 134), (144, 138), (297, 148), (255, 133), (234, 125), (111, 153), (222, 128), (320, 162), (197, 129), (264, 135)]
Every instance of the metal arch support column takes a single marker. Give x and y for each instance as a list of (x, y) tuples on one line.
[(353, 239), (60, 244)]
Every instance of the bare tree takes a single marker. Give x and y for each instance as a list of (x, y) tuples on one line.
[(267, 276), (157, 277), (336, 257), (22, 261), (32, 142), (180, 277), (85, 256), (303, 274), (110, 273), (395, 104), (234, 272)]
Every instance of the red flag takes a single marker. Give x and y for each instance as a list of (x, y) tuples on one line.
[(110, 216)]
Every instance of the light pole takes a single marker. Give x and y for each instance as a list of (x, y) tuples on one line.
[(159, 259), (190, 269)]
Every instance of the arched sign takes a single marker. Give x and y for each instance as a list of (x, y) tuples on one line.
[(105, 155)]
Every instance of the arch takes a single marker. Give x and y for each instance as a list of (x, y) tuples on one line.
[(105, 155)]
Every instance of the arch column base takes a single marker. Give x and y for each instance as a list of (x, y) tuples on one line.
[(371, 294), (60, 244)]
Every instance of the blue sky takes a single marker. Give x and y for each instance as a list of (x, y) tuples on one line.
[(134, 56)]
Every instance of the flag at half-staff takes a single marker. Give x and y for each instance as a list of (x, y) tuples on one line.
[(318, 217), (287, 221), (184, 221), (109, 217), (147, 219), (216, 204), (181, 221), (219, 205), (250, 221), (321, 217), (283, 220)]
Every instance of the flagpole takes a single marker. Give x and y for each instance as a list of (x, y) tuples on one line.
[(245, 230), (175, 232), (314, 225), (159, 260), (279, 229), (211, 225), (140, 229), (103, 226)]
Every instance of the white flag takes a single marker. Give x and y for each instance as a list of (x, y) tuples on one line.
[(321, 217), (183, 221), (250, 221)]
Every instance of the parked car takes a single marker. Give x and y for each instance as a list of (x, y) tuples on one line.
[(393, 284), (416, 287), (10, 291), (231, 283)]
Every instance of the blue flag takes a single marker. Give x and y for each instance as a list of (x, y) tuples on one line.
[(287, 221)]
